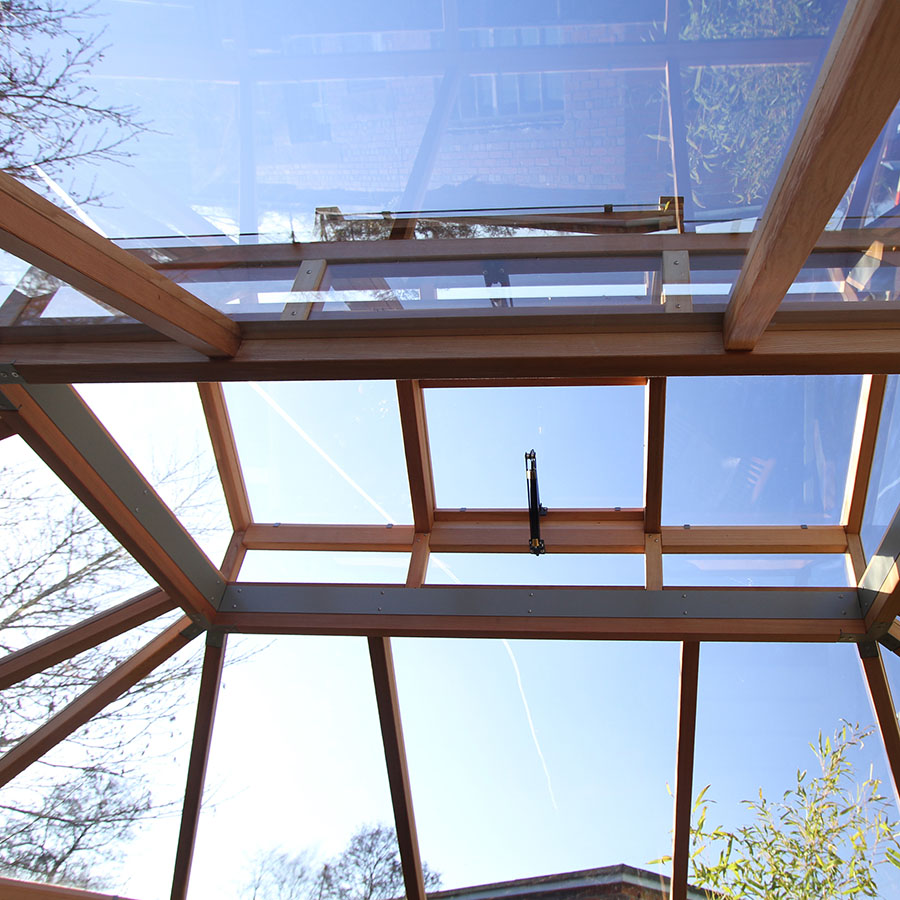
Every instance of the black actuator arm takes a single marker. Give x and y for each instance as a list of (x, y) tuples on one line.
[(535, 510)]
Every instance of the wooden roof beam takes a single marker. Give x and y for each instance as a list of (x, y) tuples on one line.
[(22, 664), (855, 94), (36, 230), (95, 699)]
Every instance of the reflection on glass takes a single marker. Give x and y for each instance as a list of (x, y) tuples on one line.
[(758, 450), (883, 497), (479, 437), (296, 763), (757, 570), (586, 569), (321, 452), (760, 706), (739, 121), (102, 798), (555, 755)]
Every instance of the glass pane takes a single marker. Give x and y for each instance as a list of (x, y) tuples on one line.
[(325, 566), (588, 442), (324, 452), (96, 811), (883, 496), (758, 570), (296, 752), (524, 568), (535, 739), (759, 709), (162, 429), (758, 450)]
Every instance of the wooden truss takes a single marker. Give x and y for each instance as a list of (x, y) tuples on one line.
[(177, 337)]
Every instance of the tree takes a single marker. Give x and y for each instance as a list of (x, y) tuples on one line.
[(50, 116), (828, 836), (367, 869), (70, 813)]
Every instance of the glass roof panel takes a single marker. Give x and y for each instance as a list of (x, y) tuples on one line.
[(524, 568), (758, 450), (537, 780), (162, 429), (324, 567), (255, 116), (588, 442), (296, 751), (322, 452), (757, 570), (883, 496), (760, 706)]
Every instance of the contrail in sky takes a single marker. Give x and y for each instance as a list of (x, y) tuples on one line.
[(439, 563), (512, 658)]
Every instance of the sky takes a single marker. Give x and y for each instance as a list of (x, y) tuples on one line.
[(525, 757)]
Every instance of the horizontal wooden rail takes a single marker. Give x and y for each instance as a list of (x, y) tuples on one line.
[(840, 339), (564, 531)]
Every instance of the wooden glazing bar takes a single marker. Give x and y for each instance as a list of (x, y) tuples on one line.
[(5, 431), (564, 531), (655, 430), (207, 701), (840, 340), (95, 699), (22, 664), (830, 144), (684, 768), (398, 772), (224, 447), (418, 561), (10, 889), (414, 426), (37, 231), (883, 706), (865, 436), (63, 431)]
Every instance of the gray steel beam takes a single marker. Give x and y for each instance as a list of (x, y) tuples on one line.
[(535, 602)]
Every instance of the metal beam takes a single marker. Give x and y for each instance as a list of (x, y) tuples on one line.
[(22, 664), (684, 769), (37, 231), (63, 431), (95, 699), (855, 94), (581, 613)]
